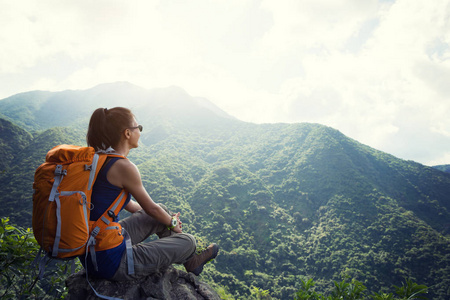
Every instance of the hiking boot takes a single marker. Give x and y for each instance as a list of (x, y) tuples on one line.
[(195, 264)]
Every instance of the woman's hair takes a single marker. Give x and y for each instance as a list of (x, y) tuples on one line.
[(106, 126)]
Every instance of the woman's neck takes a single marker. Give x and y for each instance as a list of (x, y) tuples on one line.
[(122, 150)]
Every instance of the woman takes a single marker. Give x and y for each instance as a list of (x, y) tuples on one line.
[(117, 128)]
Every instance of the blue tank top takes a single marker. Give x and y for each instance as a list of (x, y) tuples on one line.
[(103, 194)]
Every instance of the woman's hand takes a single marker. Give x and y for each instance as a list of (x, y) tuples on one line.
[(178, 228)]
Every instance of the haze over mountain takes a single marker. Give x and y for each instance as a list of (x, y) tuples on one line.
[(284, 201), (40, 110)]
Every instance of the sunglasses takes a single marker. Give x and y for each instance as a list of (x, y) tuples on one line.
[(139, 126)]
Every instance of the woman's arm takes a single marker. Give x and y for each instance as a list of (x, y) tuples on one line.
[(133, 206), (125, 174)]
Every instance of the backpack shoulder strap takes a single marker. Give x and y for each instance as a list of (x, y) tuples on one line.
[(113, 210), (109, 216)]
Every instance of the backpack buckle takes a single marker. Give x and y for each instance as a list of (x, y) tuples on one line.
[(111, 214), (59, 171), (94, 233)]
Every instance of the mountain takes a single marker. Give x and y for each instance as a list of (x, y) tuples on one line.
[(443, 168), (12, 140), (284, 201), (40, 110)]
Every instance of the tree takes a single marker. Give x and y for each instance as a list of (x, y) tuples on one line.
[(411, 290), (306, 292), (18, 249), (260, 294), (356, 290)]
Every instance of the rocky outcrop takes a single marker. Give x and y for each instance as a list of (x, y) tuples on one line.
[(171, 284)]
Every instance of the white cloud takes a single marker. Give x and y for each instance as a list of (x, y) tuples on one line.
[(376, 70), (376, 94)]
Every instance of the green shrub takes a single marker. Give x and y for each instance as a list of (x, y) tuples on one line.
[(18, 272), (356, 290)]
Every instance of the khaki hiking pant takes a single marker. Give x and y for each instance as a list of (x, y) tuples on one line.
[(155, 256)]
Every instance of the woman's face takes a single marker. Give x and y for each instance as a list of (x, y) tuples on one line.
[(135, 134)]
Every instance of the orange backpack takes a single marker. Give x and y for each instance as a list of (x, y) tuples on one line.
[(62, 192)]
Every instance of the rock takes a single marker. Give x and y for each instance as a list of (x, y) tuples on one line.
[(170, 284)]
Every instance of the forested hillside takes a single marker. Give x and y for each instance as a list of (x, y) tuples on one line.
[(444, 168), (12, 140), (284, 201)]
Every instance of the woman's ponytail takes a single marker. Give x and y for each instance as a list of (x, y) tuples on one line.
[(106, 125), (95, 136)]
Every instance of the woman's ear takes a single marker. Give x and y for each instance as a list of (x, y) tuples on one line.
[(127, 133)]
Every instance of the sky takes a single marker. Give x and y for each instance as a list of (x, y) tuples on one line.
[(377, 70)]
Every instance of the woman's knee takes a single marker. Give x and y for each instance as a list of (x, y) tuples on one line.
[(191, 239)]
